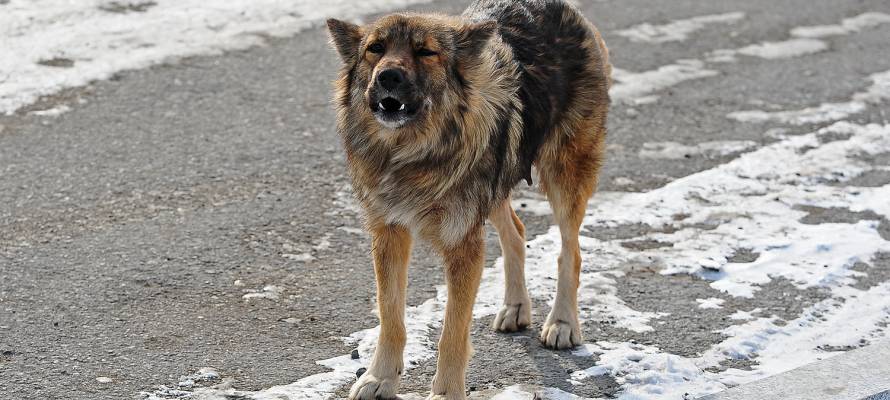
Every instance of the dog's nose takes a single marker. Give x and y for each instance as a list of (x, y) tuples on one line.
[(391, 78)]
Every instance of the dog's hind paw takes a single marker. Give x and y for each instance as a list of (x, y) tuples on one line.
[(513, 317), (560, 335), (370, 387)]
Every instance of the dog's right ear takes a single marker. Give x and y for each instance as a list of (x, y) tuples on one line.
[(346, 37)]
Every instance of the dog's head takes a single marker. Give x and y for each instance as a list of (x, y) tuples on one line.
[(405, 63)]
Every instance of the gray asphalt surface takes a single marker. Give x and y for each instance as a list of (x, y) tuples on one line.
[(126, 222)]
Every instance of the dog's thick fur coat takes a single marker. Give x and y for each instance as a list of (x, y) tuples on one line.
[(440, 118)]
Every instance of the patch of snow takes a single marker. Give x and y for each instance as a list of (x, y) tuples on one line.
[(850, 319), (848, 25), (298, 257), (876, 93), (532, 206), (644, 372), (520, 392), (324, 243), (710, 302), (104, 379), (676, 30), (675, 151), (203, 375), (51, 112), (771, 50), (634, 86), (744, 315), (50, 45), (623, 181), (270, 292)]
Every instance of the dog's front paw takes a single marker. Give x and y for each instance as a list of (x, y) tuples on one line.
[(560, 334), (513, 317), (371, 387)]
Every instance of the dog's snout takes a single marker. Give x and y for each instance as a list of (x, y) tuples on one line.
[(391, 79)]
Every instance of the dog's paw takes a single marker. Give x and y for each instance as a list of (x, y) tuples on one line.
[(370, 387), (558, 334), (513, 317)]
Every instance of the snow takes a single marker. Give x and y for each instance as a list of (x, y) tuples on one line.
[(50, 45), (631, 86), (678, 30), (744, 315), (710, 302), (269, 292), (52, 112), (676, 151), (847, 26), (809, 255), (771, 50), (877, 92), (638, 88)]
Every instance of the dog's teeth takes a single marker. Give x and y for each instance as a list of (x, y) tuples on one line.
[(380, 104), (402, 108)]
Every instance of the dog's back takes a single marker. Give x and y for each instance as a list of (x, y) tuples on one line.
[(564, 65)]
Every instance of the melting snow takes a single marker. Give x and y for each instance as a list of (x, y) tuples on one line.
[(771, 50), (50, 45), (710, 302), (674, 150), (269, 292), (631, 86), (876, 93), (847, 26), (676, 30)]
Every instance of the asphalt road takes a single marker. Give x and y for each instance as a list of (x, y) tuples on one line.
[(132, 226)]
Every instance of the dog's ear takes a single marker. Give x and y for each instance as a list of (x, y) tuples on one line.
[(346, 37), (472, 38)]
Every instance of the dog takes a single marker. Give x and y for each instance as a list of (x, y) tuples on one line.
[(441, 117)]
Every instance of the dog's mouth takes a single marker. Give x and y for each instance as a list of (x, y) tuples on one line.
[(392, 112)]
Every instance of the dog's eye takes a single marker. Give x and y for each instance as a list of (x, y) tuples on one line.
[(376, 48), (425, 53)]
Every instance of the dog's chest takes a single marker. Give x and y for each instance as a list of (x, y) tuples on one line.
[(405, 200)]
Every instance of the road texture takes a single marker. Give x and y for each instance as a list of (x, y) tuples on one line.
[(133, 226)]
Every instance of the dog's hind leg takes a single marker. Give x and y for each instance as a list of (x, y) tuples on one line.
[(569, 177), (516, 314), (391, 248), (463, 271)]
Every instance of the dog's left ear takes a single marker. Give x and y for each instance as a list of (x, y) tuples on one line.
[(472, 38), (346, 37)]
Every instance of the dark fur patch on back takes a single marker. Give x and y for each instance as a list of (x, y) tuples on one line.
[(547, 39)]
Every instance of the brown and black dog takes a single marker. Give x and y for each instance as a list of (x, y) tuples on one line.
[(441, 117)]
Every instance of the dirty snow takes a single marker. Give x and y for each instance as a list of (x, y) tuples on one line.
[(710, 302), (50, 45), (771, 50), (676, 30), (269, 292), (877, 92), (676, 151), (847, 26), (630, 86)]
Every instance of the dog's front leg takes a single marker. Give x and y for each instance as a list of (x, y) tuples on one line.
[(463, 271), (391, 249)]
